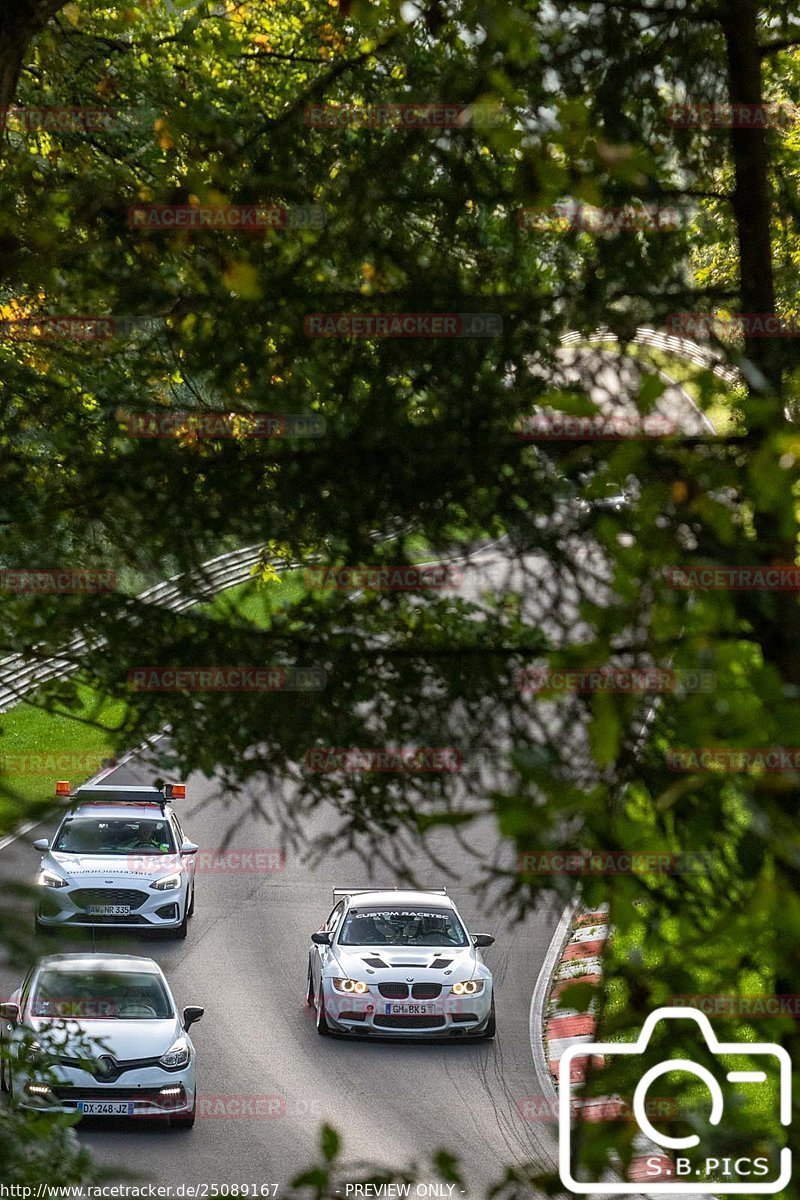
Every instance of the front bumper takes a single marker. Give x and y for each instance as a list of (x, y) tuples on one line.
[(149, 1091), (447, 1016), (65, 907)]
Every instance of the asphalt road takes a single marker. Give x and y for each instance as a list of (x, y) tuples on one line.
[(245, 961)]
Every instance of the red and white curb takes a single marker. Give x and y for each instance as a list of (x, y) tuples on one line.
[(580, 960)]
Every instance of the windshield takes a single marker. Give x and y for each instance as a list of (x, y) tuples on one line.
[(118, 995), (402, 927), (91, 835)]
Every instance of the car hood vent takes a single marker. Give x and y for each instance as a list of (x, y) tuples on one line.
[(375, 962), (439, 964)]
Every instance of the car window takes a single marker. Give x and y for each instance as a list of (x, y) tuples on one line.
[(407, 926), (115, 835), (101, 995), (334, 918)]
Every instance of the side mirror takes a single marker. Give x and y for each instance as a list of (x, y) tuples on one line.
[(321, 938), (191, 1014), (482, 939), (41, 844), (9, 1012), (189, 847)]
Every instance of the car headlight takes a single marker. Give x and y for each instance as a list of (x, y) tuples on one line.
[(168, 883), (177, 1055), (351, 986), (468, 988), (51, 880)]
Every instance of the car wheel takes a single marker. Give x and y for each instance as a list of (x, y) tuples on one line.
[(183, 928), (185, 1120), (3, 1077), (491, 1025), (191, 904), (38, 927), (310, 988), (323, 1029)]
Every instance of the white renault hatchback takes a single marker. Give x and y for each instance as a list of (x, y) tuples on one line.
[(119, 857), (99, 1034)]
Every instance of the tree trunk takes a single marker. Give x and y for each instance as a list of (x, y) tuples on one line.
[(751, 198), (20, 20)]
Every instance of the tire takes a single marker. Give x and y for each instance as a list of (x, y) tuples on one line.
[(186, 1120), (190, 913), (183, 928), (323, 1029), (310, 989), (4, 1088), (491, 1025), (38, 927)]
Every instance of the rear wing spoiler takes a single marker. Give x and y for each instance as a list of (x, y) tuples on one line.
[(338, 893)]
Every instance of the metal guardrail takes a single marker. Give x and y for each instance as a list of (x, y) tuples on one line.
[(670, 343), (18, 675)]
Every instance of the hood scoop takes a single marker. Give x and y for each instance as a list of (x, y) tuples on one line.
[(398, 962), (375, 962), (439, 964)]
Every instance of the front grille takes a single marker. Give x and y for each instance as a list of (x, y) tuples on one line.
[(352, 1016), (426, 991), (401, 1022), (132, 919), (83, 897), (393, 991), (71, 1095), (119, 1068)]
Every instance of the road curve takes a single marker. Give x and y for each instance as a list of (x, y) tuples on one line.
[(245, 961)]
